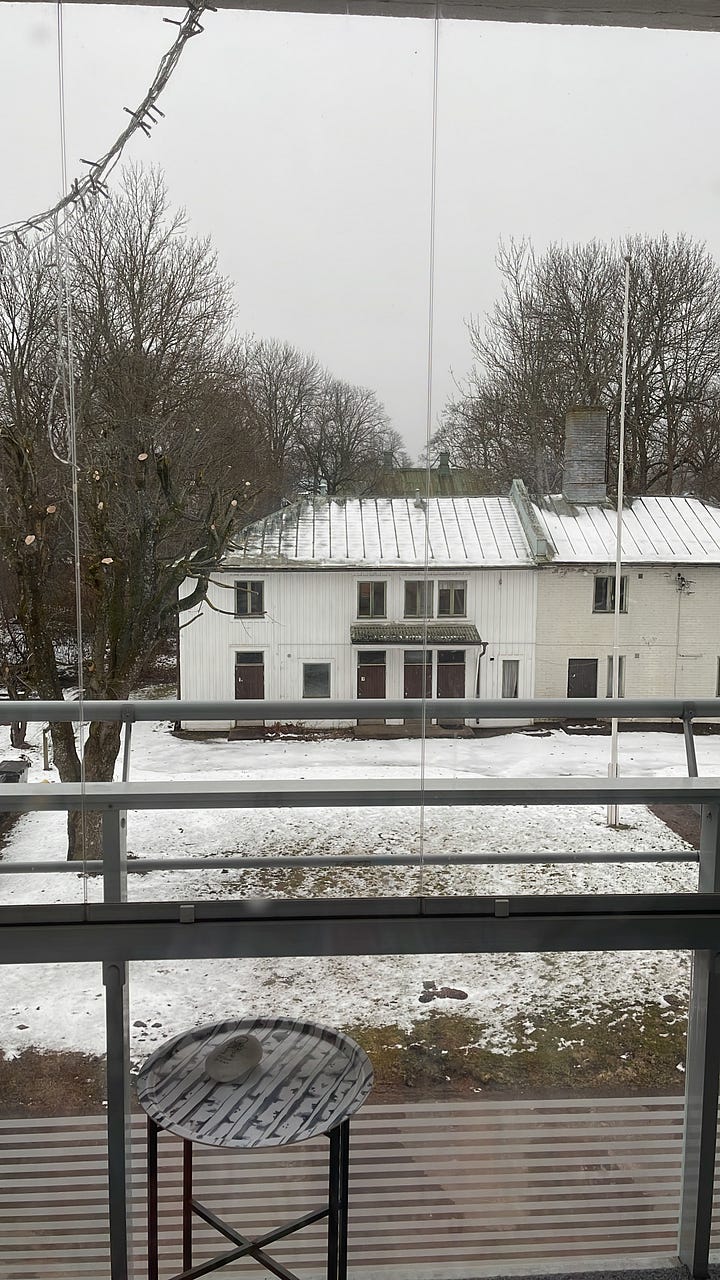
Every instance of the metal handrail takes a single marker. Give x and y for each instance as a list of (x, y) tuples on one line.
[(274, 710)]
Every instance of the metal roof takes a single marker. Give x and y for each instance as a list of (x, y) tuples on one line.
[(375, 533), (655, 531), (415, 633), (692, 15)]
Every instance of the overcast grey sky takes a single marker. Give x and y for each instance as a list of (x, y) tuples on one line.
[(302, 144)]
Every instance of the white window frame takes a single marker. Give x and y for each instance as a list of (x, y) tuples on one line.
[(316, 662), (518, 663), (250, 584), (427, 585), (452, 586), (372, 583), (609, 607), (621, 676)]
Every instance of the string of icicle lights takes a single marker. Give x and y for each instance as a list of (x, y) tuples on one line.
[(94, 182)]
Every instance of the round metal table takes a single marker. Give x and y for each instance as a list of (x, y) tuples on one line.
[(309, 1081)]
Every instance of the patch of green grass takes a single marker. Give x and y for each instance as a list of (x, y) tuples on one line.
[(620, 1051)]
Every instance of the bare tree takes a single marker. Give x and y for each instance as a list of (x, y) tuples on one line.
[(341, 442), (159, 491), (554, 339), (279, 387)]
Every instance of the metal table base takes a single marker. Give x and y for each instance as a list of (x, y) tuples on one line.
[(336, 1212)]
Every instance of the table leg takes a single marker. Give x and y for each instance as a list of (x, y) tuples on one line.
[(187, 1205), (338, 1201), (152, 1199)]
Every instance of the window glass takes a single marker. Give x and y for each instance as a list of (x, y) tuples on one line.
[(418, 599), (621, 676), (510, 677), (249, 599), (316, 679), (604, 594), (371, 600), (451, 599)]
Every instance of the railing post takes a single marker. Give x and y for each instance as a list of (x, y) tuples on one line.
[(117, 1049), (702, 1073)]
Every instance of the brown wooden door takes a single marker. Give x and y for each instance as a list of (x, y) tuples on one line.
[(451, 673), (249, 675), (415, 660), (371, 675), (450, 679), (582, 678)]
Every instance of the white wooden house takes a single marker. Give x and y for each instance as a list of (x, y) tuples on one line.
[(669, 600), (466, 596), (332, 598)]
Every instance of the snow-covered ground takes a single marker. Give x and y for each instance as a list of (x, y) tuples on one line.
[(56, 1006)]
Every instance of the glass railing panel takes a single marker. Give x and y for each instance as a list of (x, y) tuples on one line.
[(53, 1123), (535, 1124)]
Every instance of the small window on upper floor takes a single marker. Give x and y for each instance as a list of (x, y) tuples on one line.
[(451, 599), (372, 600), (249, 599), (418, 599), (604, 594)]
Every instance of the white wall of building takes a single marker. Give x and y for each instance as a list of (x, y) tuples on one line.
[(308, 615), (671, 610)]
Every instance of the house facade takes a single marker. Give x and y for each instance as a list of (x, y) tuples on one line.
[(466, 596), (346, 598), (669, 600)]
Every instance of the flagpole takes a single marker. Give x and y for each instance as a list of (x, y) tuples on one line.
[(612, 810)]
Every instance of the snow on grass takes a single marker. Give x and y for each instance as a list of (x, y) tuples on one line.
[(53, 1006)]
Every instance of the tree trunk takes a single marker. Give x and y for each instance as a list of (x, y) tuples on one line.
[(85, 826)]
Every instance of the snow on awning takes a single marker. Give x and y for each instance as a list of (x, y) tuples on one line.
[(415, 633)]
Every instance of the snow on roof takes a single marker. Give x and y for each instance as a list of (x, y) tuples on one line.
[(655, 530), (382, 532)]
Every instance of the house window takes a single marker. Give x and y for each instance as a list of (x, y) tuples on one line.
[(451, 599), (621, 677), (604, 597), (418, 599), (510, 677), (372, 600), (249, 599), (316, 680)]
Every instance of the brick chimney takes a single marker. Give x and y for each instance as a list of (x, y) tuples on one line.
[(444, 463), (586, 448)]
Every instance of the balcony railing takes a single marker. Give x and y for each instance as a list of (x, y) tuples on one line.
[(117, 931)]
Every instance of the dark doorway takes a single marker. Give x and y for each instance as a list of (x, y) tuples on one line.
[(450, 679), (371, 674), (371, 677), (249, 675), (415, 661), (582, 678), (415, 683)]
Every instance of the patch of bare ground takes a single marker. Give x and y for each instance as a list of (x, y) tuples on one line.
[(681, 819), (621, 1052), (47, 1082)]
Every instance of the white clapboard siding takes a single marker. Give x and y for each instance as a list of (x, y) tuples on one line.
[(444, 1191)]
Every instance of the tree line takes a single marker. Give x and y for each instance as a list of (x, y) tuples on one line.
[(554, 340), (183, 434)]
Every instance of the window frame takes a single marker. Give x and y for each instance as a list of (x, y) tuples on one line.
[(609, 605), (452, 587), (249, 587), (506, 662), (424, 588), (373, 584), (316, 662), (609, 676)]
